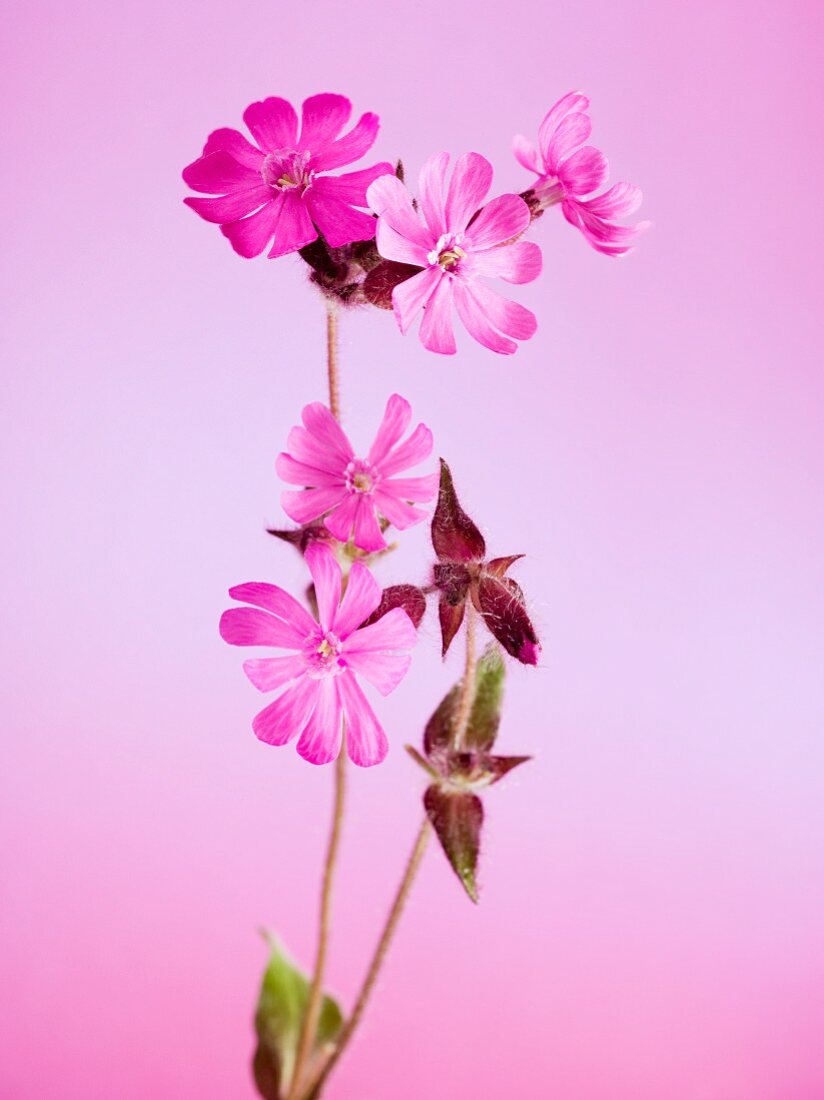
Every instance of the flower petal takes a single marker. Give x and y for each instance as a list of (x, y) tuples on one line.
[(299, 473), (520, 262), (571, 132), (218, 172), (251, 235), (322, 119), (397, 511), (436, 331), (412, 451), (365, 739), (278, 602), (273, 123), (294, 228), (307, 449), (395, 421), (251, 626), (585, 171), (367, 530), (269, 673), (362, 596), (621, 200), (339, 223), (326, 575), (341, 519), (504, 217), (393, 632), (235, 144), (320, 741), (384, 671), (472, 315), (571, 103), (390, 200), (350, 147), (511, 318), (526, 154), (284, 719), (325, 429), (410, 296), (351, 187), (469, 186), (412, 488), (307, 505), (431, 192), (393, 246), (231, 207)]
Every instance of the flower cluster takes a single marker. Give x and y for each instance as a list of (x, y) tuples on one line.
[(366, 240)]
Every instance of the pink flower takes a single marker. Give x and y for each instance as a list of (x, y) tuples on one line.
[(353, 490), (456, 245), (322, 674), (568, 171), (273, 189)]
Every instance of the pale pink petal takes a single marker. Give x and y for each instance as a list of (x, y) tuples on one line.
[(604, 236), (515, 263), (412, 488), (571, 103), (351, 187), (235, 144), (472, 315), (284, 719), (412, 451), (316, 452), (395, 421), (569, 134), (384, 671), (326, 575), (362, 596), (397, 511), (273, 123), (393, 246), (322, 119), (251, 235), (320, 423), (436, 330), (350, 147), (390, 200), (339, 223), (394, 631), (294, 228), (269, 673), (367, 530), (341, 519), (279, 602), (365, 739), (511, 318), (320, 741), (526, 154), (432, 192), (219, 172), (584, 172), (230, 207), (410, 296), (299, 473), (621, 200), (469, 186), (504, 217), (251, 626), (307, 505)]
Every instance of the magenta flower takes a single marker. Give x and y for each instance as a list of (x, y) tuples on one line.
[(274, 189), (456, 245), (568, 171), (351, 491), (323, 690)]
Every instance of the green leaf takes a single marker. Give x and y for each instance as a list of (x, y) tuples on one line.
[(485, 717), (457, 817), (281, 1005)]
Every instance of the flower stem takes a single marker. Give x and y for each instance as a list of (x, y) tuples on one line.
[(463, 710), (378, 959), (309, 1025), (332, 357)]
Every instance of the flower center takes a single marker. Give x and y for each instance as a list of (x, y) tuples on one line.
[(361, 476), (448, 252), (286, 170), (322, 655)]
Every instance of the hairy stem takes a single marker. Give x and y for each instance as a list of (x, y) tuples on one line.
[(332, 357), (467, 695), (378, 959)]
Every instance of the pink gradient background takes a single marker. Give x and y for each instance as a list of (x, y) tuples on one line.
[(652, 919)]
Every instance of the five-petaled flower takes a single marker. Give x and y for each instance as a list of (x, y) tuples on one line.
[(462, 573), (568, 171), (455, 245), (274, 189), (323, 695), (350, 491)]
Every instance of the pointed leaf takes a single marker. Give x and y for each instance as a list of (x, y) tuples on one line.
[(282, 1002), (378, 285), (454, 535), (457, 818), (407, 596), (498, 566), (485, 716), (499, 766), (504, 612), (450, 619), (301, 537)]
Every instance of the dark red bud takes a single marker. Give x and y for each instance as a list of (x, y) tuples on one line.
[(301, 537), (452, 581), (450, 618), (378, 285), (498, 566), (454, 535), (407, 596), (457, 817), (500, 602)]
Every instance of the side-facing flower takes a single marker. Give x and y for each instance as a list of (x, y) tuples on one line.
[(568, 171), (351, 492), (275, 188), (322, 693), (462, 573), (459, 242)]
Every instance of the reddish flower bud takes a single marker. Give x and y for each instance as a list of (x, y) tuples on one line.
[(378, 285), (457, 817), (407, 596), (454, 535), (500, 601)]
